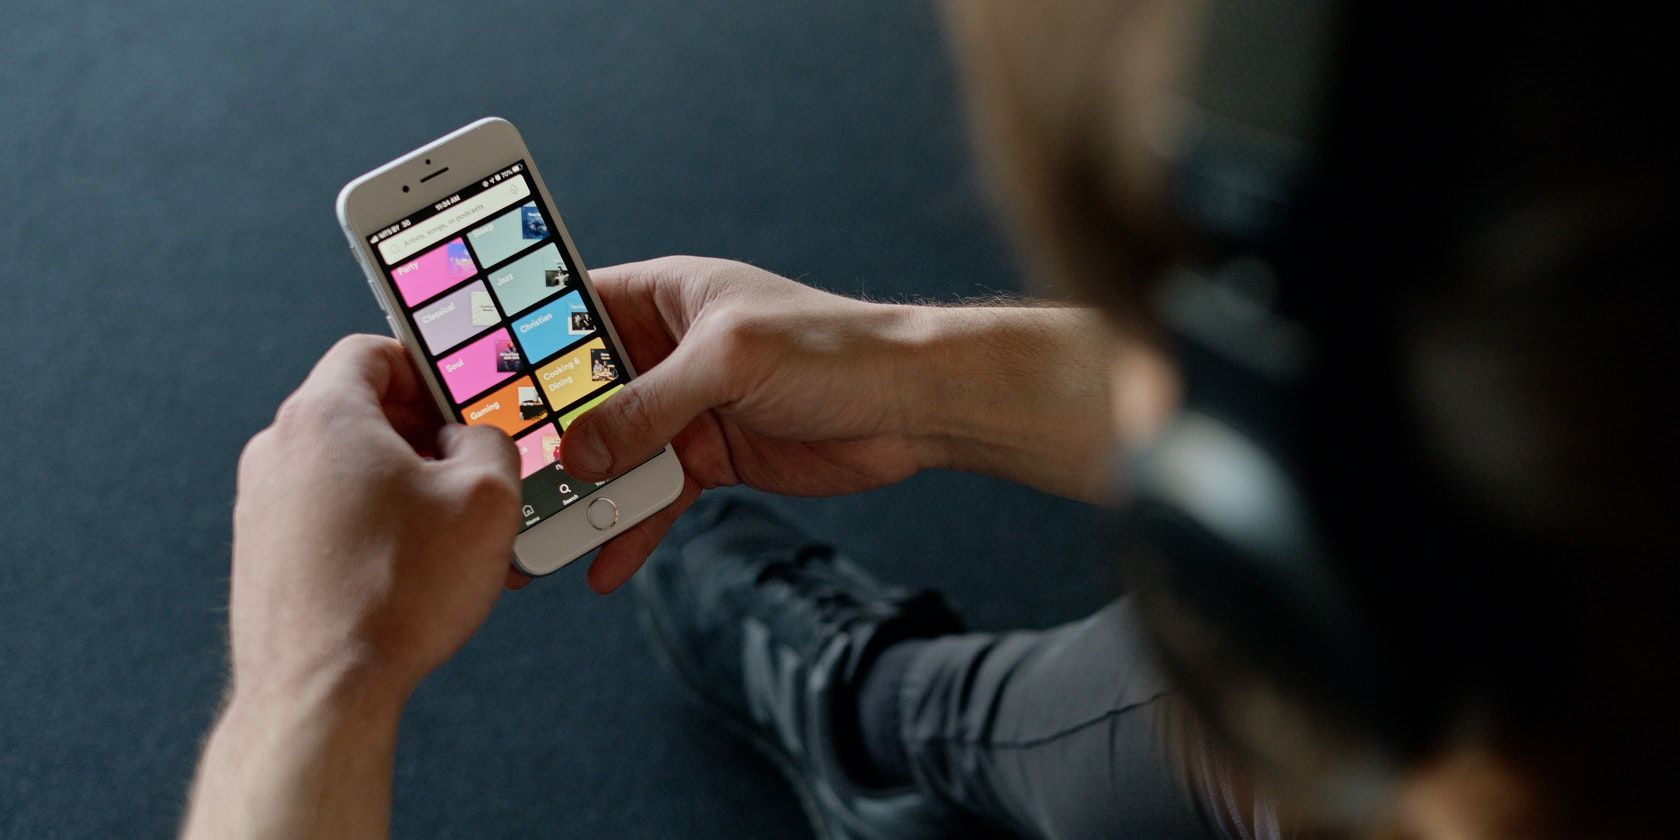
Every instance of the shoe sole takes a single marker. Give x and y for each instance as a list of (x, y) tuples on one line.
[(665, 652)]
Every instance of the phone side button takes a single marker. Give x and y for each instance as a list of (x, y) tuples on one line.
[(602, 514), (378, 298), (392, 323), (367, 274)]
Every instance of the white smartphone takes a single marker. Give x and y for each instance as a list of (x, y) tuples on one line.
[(478, 278)]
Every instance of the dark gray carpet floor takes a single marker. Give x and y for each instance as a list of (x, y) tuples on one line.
[(172, 267)]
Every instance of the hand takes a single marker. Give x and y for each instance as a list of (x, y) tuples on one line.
[(355, 557), (756, 380)]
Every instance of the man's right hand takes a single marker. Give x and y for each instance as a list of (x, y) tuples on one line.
[(759, 380), (756, 380)]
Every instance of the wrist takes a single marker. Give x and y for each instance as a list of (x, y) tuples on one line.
[(974, 373), (916, 342), (318, 709), (347, 680), (315, 760), (934, 364), (1021, 393)]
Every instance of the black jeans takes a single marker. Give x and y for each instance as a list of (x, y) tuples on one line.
[(1068, 733)]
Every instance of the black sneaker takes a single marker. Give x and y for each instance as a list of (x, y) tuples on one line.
[(771, 629)]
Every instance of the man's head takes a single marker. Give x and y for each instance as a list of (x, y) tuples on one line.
[(1468, 269)]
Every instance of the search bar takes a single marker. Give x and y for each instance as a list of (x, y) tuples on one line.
[(450, 221)]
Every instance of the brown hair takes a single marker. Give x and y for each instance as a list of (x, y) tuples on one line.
[(1061, 98), (1535, 354)]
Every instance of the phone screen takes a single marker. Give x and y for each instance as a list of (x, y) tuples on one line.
[(484, 281)]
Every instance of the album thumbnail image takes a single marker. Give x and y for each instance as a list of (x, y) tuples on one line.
[(555, 277), (507, 358), (530, 404), (484, 312), (601, 366), (460, 264), (551, 445), (531, 223), (581, 322)]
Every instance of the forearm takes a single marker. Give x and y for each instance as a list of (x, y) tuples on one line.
[(314, 762), (1028, 394)]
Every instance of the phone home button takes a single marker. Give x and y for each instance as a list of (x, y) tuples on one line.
[(602, 514)]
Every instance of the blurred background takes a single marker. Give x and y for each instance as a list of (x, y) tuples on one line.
[(173, 267)]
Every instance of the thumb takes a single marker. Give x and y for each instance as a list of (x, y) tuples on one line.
[(635, 423)]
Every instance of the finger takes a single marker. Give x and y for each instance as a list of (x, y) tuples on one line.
[(478, 476), (619, 559), (412, 409), (418, 422), (613, 281), (361, 374), (516, 580), (627, 281), (407, 402), (635, 423), (630, 294), (704, 453), (367, 368), (477, 479), (473, 449)]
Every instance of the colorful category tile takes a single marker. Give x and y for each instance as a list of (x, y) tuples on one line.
[(538, 449), (571, 377), (546, 329), (529, 279), (433, 271), (510, 408), (508, 234), (567, 418), (472, 369), (455, 317)]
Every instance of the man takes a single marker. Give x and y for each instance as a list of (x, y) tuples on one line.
[(370, 543)]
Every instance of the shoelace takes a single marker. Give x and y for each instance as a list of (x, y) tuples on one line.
[(831, 603)]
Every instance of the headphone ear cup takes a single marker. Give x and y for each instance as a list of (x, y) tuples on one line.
[(1231, 579)]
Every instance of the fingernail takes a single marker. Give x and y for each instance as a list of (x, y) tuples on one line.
[(586, 451)]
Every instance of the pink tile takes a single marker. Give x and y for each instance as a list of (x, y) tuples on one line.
[(433, 271), (473, 368), (537, 449)]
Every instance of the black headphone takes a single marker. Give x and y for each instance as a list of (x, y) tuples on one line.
[(1274, 535)]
